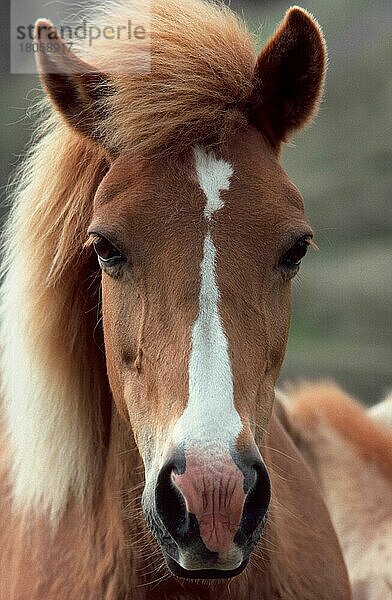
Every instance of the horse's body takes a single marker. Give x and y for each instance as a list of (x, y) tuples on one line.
[(351, 455), (173, 174)]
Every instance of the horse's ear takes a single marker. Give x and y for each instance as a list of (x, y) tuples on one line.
[(289, 76), (75, 88)]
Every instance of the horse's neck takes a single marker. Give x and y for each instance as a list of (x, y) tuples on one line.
[(300, 539)]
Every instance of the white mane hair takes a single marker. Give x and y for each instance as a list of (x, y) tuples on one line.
[(50, 374), (382, 411)]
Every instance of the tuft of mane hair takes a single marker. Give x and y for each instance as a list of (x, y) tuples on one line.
[(382, 411), (187, 83)]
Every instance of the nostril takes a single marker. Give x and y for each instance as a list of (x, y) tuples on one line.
[(256, 503), (169, 502)]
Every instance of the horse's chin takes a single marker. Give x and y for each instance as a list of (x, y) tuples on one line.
[(209, 573)]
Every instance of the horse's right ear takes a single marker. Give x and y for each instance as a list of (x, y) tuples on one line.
[(76, 89), (289, 77)]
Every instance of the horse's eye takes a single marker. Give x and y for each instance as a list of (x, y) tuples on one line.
[(108, 255), (291, 260)]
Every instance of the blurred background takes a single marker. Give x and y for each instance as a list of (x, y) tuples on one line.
[(342, 313)]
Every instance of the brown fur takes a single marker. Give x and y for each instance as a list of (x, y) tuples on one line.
[(352, 457)]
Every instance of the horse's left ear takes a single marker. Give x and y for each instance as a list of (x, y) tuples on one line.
[(289, 76), (76, 89)]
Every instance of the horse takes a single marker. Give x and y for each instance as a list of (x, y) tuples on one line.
[(350, 451), (145, 313)]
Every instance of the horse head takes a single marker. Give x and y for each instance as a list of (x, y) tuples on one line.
[(198, 243)]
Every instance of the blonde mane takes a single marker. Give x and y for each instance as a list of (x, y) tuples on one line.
[(53, 372)]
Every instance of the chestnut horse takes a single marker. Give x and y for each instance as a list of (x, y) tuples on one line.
[(162, 152), (351, 455)]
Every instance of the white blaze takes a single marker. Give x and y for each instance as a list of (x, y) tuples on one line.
[(210, 417)]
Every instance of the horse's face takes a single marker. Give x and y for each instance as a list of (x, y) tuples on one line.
[(197, 256)]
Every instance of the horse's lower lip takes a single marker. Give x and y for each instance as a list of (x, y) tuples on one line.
[(179, 571)]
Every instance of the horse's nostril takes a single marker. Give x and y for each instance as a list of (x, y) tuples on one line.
[(169, 503), (256, 503)]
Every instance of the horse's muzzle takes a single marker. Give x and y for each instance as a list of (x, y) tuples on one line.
[(210, 510)]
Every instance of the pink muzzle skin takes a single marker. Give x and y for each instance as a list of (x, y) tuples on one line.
[(213, 490), (210, 507)]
